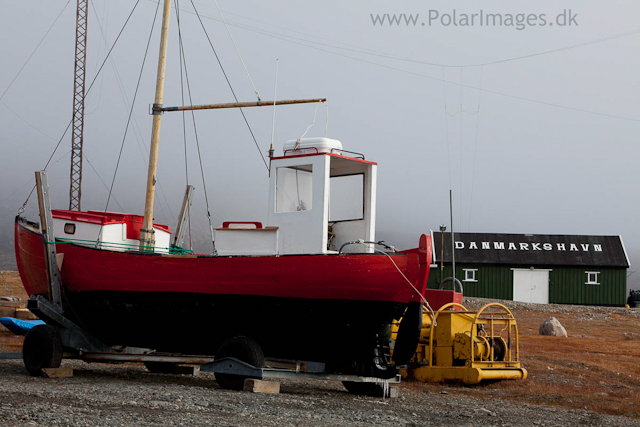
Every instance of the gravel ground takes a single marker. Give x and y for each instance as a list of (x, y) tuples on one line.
[(125, 395)]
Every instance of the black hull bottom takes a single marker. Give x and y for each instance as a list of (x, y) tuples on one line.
[(335, 332)]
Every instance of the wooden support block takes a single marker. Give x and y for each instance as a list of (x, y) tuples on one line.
[(186, 370), (11, 304), (57, 372), (7, 312), (25, 314), (260, 386)]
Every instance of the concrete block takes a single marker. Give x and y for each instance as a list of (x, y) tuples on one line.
[(57, 372), (260, 386)]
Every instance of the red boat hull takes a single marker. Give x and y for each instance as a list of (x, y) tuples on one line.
[(361, 277), (308, 307)]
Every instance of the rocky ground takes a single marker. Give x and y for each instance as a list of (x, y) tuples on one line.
[(128, 395), (591, 377)]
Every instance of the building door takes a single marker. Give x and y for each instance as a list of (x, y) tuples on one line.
[(531, 286)]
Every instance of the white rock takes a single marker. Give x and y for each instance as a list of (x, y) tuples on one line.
[(552, 327)]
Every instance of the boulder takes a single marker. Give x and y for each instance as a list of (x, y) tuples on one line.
[(552, 327)]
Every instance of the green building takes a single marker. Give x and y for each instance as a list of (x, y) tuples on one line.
[(563, 269)]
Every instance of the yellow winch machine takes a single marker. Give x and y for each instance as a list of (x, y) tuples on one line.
[(467, 346)]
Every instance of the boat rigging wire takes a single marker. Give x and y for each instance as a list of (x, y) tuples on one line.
[(103, 183), (34, 50), (126, 130), (87, 92), (237, 50), (195, 128), (315, 113), (229, 83), (424, 300), (184, 116), (105, 18), (22, 119), (381, 243)]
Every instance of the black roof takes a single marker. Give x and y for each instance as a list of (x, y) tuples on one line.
[(532, 249)]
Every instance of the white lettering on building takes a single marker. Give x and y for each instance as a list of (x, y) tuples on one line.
[(573, 247)]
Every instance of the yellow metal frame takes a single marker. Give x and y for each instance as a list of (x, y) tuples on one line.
[(475, 338)]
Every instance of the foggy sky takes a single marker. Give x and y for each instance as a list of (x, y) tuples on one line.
[(516, 141)]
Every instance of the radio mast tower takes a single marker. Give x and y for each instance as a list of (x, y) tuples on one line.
[(75, 192)]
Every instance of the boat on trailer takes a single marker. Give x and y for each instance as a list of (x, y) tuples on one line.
[(311, 284)]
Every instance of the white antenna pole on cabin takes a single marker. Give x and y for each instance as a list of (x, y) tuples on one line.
[(273, 124), (275, 92)]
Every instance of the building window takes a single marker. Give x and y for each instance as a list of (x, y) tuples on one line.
[(470, 275), (592, 278)]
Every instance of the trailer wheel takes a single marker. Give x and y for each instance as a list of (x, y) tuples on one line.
[(366, 389), (42, 348), (244, 349), (159, 367)]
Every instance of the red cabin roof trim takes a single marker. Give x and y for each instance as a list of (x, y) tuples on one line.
[(326, 154)]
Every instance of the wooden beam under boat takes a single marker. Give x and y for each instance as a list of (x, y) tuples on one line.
[(239, 105)]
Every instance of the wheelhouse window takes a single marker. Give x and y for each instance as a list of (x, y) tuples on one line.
[(346, 200), (470, 275), (592, 277), (70, 228), (294, 188)]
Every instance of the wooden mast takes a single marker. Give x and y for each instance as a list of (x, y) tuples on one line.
[(147, 239)]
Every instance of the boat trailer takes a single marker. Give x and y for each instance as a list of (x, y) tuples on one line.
[(44, 344)]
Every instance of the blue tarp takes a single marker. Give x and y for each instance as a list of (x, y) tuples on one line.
[(19, 327)]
